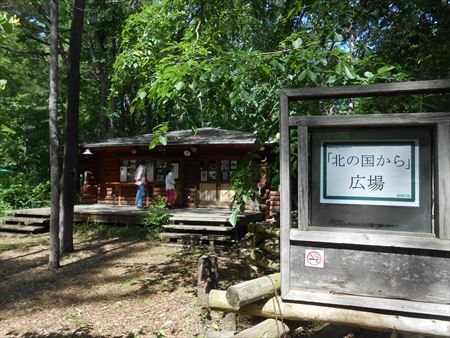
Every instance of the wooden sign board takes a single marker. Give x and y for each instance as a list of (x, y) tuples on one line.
[(373, 227)]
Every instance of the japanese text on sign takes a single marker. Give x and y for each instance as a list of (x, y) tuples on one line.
[(371, 173)]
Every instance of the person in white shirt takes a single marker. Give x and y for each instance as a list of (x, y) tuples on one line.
[(170, 188), (139, 178)]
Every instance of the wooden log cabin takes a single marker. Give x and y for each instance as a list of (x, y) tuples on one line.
[(203, 163)]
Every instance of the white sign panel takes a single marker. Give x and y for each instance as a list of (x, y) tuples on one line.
[(314, 258), (370, 173)]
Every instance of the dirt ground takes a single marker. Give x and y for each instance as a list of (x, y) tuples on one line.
[(115, 287), (109, 287)]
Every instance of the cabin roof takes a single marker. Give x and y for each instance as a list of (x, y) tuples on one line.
[(202, 136)]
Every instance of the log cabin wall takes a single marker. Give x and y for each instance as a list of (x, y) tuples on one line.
[(101, 182)]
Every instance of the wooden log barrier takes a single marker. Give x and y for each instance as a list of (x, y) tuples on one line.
[(358, 318), (253, 290), (270, 328)]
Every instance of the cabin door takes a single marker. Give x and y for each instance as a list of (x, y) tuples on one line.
[(214, 184)]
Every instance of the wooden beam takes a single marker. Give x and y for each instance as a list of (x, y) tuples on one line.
[(303, 185), (285, 192), (366, 238), (377, 120), (358, 318), (442, 182), (378, 89), (250, 291)]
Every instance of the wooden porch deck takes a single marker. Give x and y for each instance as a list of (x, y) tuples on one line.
[(126, 214)]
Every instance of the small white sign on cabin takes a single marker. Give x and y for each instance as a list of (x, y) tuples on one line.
[(370, 173), (123, 173)]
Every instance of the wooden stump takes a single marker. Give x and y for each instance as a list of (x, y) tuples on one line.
[(208, 277)]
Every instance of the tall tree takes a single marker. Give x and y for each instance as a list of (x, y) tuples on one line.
[(54, 256), (69, 175)]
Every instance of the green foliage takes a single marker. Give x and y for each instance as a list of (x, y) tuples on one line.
[(160, 132), (243, 182), (156, 216), (23, 190)]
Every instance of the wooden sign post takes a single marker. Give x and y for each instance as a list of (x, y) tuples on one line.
[(373, 205)]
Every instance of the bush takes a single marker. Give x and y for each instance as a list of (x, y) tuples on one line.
[(20, 190), (156, 216)]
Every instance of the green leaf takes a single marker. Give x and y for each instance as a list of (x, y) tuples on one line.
[(312, 76), (163, 140), (7, 27), (179, 85), (265, 69), (275, 63), (339, 68), (385, 69), (297, 43), (233, 217), (142, 94), (348, 73), (369, 75), (303, 74), (153, 143), (6, 129), (3, 84)]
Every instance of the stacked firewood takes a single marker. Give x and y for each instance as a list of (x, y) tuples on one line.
[(261, 246)]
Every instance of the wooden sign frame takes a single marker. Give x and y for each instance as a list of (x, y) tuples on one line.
[(295, 241)]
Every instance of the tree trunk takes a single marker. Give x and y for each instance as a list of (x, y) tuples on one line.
[(71, 130), (53, 261)]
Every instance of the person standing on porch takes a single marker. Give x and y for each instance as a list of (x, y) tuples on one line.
[(170, 188), (139, 178)]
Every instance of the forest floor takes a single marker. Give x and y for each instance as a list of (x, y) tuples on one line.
[(108, 287), (112, 287)]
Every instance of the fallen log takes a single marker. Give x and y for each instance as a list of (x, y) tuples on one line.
[(253, 290), (270, 328), (358, 318)]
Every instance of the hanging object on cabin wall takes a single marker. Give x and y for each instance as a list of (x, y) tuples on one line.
[(187, 153)]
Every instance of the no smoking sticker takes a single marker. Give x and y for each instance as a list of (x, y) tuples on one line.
[(314, 258)]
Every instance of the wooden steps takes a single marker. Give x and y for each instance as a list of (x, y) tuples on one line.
[(195, 239), (213, 231), (24, 220), (23, 224), (21, 228), (198, 228)]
